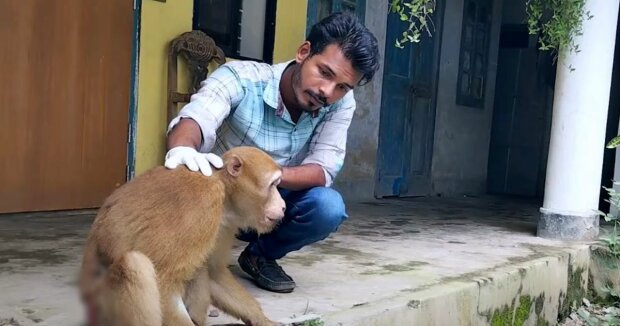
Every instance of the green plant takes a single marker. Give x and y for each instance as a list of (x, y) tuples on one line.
[(615, 142), (418, 13), (313, 322), (612, 240), (557, 22)]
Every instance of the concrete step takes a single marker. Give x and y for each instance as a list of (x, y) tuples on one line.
[(532, 292)]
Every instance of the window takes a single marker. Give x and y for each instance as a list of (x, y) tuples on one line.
[(319, 9), (474, 53), (244, 29)]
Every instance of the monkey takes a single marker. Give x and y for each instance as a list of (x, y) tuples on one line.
[(158, 249)]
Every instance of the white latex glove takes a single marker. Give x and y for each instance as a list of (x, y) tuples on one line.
[(183, 155)]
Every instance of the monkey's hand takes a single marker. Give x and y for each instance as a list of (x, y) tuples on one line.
[(188, 156)]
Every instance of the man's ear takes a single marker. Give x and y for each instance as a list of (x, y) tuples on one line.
[(303, 52), (234, 165)]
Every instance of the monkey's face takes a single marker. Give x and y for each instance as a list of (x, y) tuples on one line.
[(274, 206), (253, 191)]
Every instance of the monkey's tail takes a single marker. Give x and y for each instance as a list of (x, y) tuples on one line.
[(133, 290)]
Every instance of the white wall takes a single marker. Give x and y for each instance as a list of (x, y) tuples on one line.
[(357, 177), (462, 134)]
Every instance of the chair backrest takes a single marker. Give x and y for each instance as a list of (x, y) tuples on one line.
[(198, 50)]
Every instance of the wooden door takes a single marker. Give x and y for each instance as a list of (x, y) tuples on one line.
[(521, 123), (65, 68), (407, 122)]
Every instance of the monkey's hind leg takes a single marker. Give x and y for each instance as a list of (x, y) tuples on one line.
[(133, 294), (173, 308)]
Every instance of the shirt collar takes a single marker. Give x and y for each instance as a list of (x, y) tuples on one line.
[(271, 95)]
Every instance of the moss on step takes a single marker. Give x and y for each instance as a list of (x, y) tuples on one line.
[(517, 315), (575, 291), (523, 310), (502, 317), (313, 322), (542, 321)]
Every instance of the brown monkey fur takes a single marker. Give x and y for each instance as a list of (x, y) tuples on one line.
[(162, 242)]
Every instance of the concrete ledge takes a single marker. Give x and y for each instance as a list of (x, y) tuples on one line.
[(530, 293), (423, 261)]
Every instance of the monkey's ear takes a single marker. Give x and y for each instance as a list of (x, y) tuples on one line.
[(233, 166)]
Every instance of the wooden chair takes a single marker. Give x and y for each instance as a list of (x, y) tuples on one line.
[(198, 50)]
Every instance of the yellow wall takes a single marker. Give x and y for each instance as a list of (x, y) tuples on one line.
[(290, 28), (161, 22)]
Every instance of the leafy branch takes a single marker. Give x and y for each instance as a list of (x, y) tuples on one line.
[(418, 14), (557, 22)]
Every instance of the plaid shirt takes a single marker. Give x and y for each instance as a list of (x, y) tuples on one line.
[(240, 104)]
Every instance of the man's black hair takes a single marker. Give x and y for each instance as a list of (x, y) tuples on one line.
[(354, 39)]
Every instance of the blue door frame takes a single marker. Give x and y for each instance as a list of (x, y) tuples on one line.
[(133, 93)]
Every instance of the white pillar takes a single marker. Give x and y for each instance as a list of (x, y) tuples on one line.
[(578, 129)]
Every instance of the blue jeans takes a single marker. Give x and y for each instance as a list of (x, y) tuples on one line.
[(311, 215)]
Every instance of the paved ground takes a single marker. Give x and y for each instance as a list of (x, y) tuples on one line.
[(386, 248)]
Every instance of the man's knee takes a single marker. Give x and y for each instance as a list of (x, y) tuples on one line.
[(328, 208)]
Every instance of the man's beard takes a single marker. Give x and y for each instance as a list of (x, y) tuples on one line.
[(296, 84)]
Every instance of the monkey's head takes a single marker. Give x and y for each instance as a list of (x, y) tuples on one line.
[(251, 178)]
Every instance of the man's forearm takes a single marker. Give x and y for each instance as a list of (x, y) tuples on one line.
[(185, 133), (302, 177)]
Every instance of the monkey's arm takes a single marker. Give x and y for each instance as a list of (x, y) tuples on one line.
[(226, 292), (302, 177)]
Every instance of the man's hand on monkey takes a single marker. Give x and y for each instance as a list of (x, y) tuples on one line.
[(185, 155)]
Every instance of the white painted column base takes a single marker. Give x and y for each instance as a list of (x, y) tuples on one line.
[(566, 226)]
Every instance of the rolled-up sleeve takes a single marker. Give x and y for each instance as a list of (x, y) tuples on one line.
[(212, 103), (327, 147)]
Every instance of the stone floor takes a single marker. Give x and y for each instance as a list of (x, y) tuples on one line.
[(385, 248)]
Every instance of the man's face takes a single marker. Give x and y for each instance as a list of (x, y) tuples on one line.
[(323, 78)]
